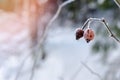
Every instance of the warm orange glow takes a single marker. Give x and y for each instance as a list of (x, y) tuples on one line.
[(18, 15), (7, 5), (24, 11), (21, 20)]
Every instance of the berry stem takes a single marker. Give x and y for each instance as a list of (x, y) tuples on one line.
[(89, 20), (89, 24), (110, 32), (85, 24)]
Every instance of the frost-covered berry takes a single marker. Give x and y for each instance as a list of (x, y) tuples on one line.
[(79, 33), (89, 35)]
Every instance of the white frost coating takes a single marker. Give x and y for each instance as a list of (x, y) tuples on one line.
[(52, 69)]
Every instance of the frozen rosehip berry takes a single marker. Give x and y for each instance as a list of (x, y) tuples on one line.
[(79, 33), (89, 35)]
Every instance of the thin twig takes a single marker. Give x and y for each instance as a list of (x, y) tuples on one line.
[(88, 21), (76, 73), (21, 66), (33, 68), (36, 56), (85, 24), (92, 72), (53, 19), (110, 32), (40, 42)]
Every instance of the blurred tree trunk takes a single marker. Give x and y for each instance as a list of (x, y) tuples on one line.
[(17, 16)]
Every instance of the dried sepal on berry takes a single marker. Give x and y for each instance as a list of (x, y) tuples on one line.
[(79, 33), (89, 35)]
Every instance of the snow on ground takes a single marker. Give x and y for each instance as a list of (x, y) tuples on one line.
[(62, 43), (65, 55)]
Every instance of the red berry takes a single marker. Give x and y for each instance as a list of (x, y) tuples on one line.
[(89, 35), (79, 33)]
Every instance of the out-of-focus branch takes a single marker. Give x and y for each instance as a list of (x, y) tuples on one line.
[(58, 12), (76, 73), (110, 32), (53, 19), (117, 2), (21, 66), (33, 67), (92, 72), (40, 42)]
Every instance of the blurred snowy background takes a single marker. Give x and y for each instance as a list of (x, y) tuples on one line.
[(23, 24)]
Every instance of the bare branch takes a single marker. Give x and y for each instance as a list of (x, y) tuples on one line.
[(88, 21), (33, 68), (76, 73), (85, 24), (92, 72), (21, 66), (40, 42), (54, 18), (110, 32)]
